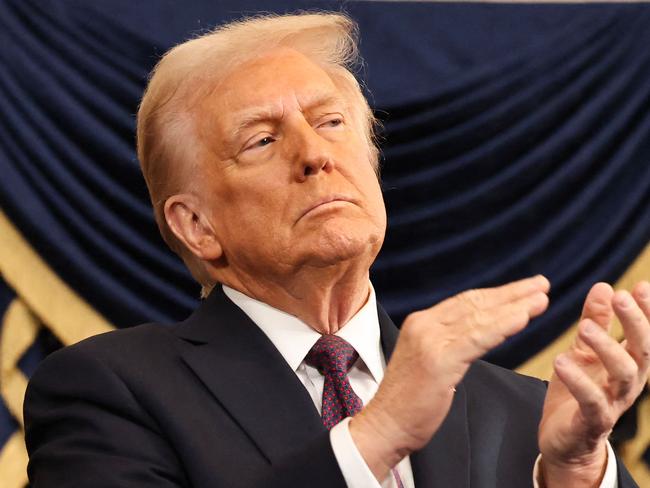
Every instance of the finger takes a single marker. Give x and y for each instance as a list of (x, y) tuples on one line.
[(598, 308), (488, 319), (486, 329), (641, 294), (636, 328), (598, 305), (470, 301), (621, 368), (591, 399)]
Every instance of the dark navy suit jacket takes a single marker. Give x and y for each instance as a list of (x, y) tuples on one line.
[(210, 402)]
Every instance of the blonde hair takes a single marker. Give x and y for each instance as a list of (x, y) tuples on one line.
[(168, 145)]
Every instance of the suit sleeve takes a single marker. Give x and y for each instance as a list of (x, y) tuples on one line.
[(83, 427)]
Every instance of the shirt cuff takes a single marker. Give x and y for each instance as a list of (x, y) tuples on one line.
[(610, 479), (356, 472)]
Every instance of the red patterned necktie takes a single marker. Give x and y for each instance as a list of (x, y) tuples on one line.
[(333, 357)]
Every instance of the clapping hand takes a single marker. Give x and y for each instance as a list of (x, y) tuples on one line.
[(593, 383), (435, 349)]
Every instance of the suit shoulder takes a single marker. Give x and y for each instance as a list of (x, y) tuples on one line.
[(141, 337), (141, 343)]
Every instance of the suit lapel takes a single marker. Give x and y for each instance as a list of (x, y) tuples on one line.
[(248, 376), (445, 460)]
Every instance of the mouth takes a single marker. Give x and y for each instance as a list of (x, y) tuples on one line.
[(326, 202)]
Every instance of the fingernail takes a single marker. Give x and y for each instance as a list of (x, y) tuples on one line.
[(560, 360)]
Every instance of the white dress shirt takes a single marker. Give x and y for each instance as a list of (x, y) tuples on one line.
[(293, 339)]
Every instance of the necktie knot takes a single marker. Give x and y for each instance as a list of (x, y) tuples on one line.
[(332, 354)]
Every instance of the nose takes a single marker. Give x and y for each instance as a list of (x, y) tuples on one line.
[(311, 153)]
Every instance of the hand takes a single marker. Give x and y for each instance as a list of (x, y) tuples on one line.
[(435, 348), (593, 384)]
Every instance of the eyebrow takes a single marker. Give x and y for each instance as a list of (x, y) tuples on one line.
[(252, 117), (255, 116)]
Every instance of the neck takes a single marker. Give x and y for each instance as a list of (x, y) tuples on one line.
[(324, 298)]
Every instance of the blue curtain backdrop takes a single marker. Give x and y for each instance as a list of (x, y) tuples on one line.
[(516, 141)]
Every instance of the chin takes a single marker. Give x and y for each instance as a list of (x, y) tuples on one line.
[(334, 246)]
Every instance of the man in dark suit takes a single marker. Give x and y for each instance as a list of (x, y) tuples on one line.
[(256, 144)]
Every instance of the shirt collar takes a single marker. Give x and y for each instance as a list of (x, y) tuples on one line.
[(293, 338)]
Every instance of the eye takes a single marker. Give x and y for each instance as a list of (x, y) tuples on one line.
[(331, 123), (334, 122), (264, 141), (259, 143)]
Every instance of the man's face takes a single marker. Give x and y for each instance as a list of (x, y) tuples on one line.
[(287, 181)]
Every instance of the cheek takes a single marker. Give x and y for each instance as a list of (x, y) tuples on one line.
[(378, 208), (369, 185), (356, 167), (248, 187), (253, 203)]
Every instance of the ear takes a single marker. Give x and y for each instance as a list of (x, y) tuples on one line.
[(191, 227)]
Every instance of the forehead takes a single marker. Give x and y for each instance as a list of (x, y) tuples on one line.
[(281, 77)]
